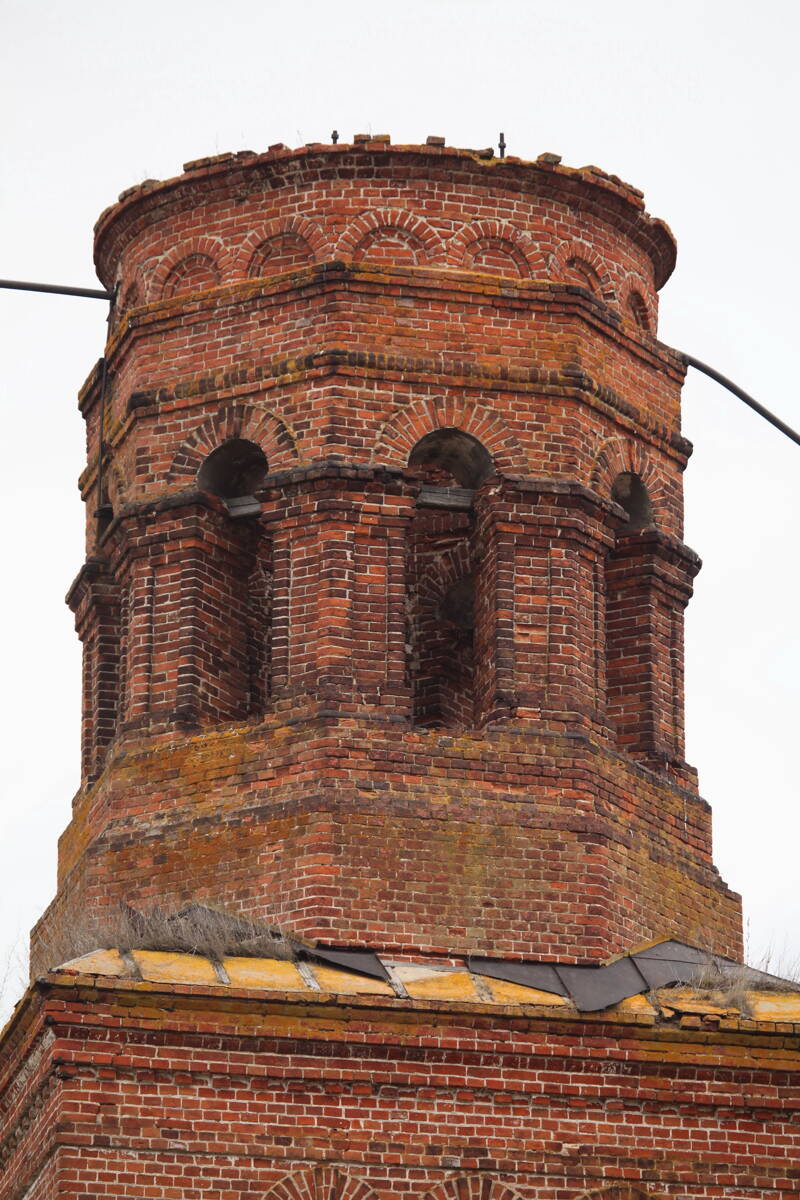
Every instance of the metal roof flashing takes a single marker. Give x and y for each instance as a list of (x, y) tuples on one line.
[(681, 975)]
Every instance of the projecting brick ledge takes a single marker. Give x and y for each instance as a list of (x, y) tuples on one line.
[(747, 1000)]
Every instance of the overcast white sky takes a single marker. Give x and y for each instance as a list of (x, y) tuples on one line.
[(695, 102)]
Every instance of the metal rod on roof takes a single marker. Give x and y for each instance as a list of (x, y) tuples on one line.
[(691, 361), (57, 289)]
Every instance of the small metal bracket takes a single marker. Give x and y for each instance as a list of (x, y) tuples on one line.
[(243, 506)]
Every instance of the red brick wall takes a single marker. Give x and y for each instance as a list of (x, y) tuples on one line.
[(145, 1096)]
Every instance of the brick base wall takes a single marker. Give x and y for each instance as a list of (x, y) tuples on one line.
[(508, 843), (142, 1092)]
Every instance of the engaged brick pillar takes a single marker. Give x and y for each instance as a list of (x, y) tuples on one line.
[(495, 657), (648, 580), (95, 600), (339, 546), (541, 604), (188, 638)]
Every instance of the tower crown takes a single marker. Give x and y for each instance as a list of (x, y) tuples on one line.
[(383, 618)]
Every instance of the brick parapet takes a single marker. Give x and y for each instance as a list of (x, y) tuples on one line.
[(322, 169)]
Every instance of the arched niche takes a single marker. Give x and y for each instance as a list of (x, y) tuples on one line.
[(637, 309), (452, 457), (234, 470), (630, 493), (195, 273)]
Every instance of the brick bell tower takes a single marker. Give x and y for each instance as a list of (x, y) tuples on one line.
[(382, 610), (382, 621)]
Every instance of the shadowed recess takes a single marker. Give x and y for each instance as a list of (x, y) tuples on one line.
[(453, 453), (631, 494), (236, 468)]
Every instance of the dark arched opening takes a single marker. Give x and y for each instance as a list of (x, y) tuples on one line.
[(238, 578), (631, 494), (629, 619), (451, 457), (444, 578), (236, 468)]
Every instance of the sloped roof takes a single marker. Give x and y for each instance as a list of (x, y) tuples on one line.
[(663, 981)]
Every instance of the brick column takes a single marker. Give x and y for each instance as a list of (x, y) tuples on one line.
[(339, 545), (649, 583), (95, 600), (186, 569), (541, 602)]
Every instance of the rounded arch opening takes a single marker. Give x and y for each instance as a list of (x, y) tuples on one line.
[(631, 494), (236, 468), (451, 457)]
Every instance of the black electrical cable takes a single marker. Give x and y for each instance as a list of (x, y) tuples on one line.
[(691, 361), (20, 285)]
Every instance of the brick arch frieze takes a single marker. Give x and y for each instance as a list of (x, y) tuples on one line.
[(473, 1187), (583, 259), (397, 221), (517, 243), (236, 420), (634, 287), (320, 1183), (620, 454), (303, 229), (402, 430), (211, 249)]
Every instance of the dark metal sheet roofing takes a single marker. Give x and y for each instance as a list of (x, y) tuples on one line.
[(534, 975), (362, 962), (593, 988), (672, 951), (661, 972)]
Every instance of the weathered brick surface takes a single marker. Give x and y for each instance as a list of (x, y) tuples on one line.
[(141, 1092), (423, 694), (372, 717)]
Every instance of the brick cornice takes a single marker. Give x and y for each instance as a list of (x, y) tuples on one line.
[(658, 557), (223, 176), (446, 284)]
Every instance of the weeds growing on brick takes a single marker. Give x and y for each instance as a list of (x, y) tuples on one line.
[(195, 929)]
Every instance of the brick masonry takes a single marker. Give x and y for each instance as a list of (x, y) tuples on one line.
[(382, 616), (146, 1091), (413, 700)]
